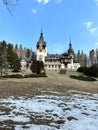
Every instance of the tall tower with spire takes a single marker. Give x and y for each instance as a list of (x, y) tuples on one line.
[(70, 50), (41, 48)]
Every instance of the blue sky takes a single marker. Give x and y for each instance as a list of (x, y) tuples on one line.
[(60, 20)]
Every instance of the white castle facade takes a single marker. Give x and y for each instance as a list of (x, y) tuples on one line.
[(55, 62)]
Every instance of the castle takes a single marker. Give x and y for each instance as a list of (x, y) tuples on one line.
[(54, 61)]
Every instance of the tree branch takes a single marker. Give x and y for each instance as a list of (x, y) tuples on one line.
[(10, 5)]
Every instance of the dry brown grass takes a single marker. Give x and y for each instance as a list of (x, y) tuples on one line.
[(54, 83)]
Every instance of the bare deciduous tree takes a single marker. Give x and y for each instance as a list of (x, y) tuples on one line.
[(92, 57), (10, 4), (96, 51)]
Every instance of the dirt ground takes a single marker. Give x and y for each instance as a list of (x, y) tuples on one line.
[(53, 82)]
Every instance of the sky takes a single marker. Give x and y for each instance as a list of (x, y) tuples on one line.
[(60, 21)]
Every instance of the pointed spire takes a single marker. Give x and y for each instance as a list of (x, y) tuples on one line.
[(41, 30), (70, 44), (41, 44), (41, 39), (70, 50)]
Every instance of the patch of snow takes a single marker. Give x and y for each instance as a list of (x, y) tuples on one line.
[(75, 111), (34, 127)]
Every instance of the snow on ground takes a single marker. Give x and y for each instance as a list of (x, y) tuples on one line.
[(74, 111)]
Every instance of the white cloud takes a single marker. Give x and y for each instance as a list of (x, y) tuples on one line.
[(58, 1), (43, 1), (93, 30), (96, 1), (90, 27), (34, 11), (96, 43), (88, 24)]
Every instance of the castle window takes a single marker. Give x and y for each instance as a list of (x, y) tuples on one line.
[(55, 66), (37, 46)]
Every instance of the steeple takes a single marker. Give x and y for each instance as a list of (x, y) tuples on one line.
[(41, 48), (41, 44), (41, 39), (70, 50)]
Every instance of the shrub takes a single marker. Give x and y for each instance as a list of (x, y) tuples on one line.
[(13, 76), (90, 71), (83, 78), (35, 75), (37, 67), (81, 69), (62, 71)]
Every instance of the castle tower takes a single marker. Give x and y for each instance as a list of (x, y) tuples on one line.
[(41, 48), (70, 50)]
